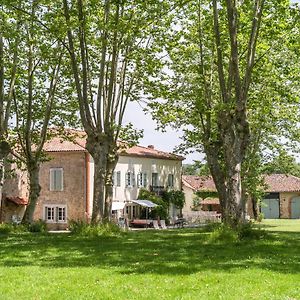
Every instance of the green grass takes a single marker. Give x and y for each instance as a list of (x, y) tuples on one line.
[(173, 264)]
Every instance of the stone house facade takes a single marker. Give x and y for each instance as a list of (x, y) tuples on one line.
[(281, 199), (66, 180)]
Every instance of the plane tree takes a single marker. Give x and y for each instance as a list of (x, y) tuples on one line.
[(227, 85), (109, 45)]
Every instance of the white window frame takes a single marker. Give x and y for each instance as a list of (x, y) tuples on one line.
[(142, 179), (129, 179), (55, 217), (157, 179), (170, 175), (117, 179), (52, 187)]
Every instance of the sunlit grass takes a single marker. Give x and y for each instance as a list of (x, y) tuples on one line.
[(172, 264)]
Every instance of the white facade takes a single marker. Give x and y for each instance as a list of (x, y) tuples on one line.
[(134, 172)]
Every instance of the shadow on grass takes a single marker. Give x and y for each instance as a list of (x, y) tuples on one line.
[(175, 252)]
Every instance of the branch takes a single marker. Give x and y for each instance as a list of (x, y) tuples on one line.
[(234, 72), (258, 8), (87, 126), (51, 93), (219, 53)]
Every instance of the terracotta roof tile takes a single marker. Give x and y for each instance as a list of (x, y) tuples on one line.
[(204, 183), (17, 200), (275, 183), (282, 183), (77, 141), (210, 201)]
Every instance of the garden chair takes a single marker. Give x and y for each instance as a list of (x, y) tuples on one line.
[(163, 224), (155, 224)]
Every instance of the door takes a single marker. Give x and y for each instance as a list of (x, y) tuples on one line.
[(270, 208), (295, 208)]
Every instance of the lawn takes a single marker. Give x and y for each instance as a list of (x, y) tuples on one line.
[(172, 264)]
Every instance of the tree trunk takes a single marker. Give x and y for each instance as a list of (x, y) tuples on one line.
[(2, 171), (98, 148), (113, 159), (34, 192)]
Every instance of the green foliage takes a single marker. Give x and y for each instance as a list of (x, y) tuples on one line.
[(161, 210), (37, 226), (8, 228), (221, 232), (89, 230), (197, 168), (206, 194), (283, 163), (175, 197)]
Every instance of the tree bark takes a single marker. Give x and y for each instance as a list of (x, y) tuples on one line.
[(34, 191)]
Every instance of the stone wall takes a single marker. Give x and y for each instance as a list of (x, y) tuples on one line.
[(74, 187), (285, 204)]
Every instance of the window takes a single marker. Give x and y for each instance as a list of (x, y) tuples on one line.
[(55, 214), (154, 179), (170, 180), (56, 179), (142, 179), (117, 178), (129, 179)]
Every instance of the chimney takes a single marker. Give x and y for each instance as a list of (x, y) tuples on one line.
[(151, 146)]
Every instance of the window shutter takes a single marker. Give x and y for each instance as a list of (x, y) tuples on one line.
[(118, 179), (58, 180), (51, 180), (139, 175), (127, 179), (132, 179), (145, 180)]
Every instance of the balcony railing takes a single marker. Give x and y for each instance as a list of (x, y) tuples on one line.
[(157, 189)]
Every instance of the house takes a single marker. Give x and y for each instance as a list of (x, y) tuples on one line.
[(281, 199), (67, 179)]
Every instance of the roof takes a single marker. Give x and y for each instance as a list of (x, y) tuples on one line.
[(77, 141), (17, 200), (275, 183), (196, 183), (282, 183), (210, 201), (145, 203)]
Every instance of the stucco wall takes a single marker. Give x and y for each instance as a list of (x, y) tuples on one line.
[(189, 196), (145, 165), (74, 186)]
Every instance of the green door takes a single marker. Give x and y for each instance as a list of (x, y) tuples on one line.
[(270, 208), (295, 208)]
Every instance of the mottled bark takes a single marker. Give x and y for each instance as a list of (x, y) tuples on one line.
[(33, 169)]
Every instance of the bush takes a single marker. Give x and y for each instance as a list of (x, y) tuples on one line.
[(84, 229), (6, 228), (224, 233), (248, 231), (37, 226), (12, 228)]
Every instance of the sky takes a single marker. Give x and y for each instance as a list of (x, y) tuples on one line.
[(164, 141)]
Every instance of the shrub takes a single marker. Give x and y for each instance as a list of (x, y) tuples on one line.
[(90, 230), (248, 231), (37, 226), (6, 228), (12, 228), (224, 233)]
